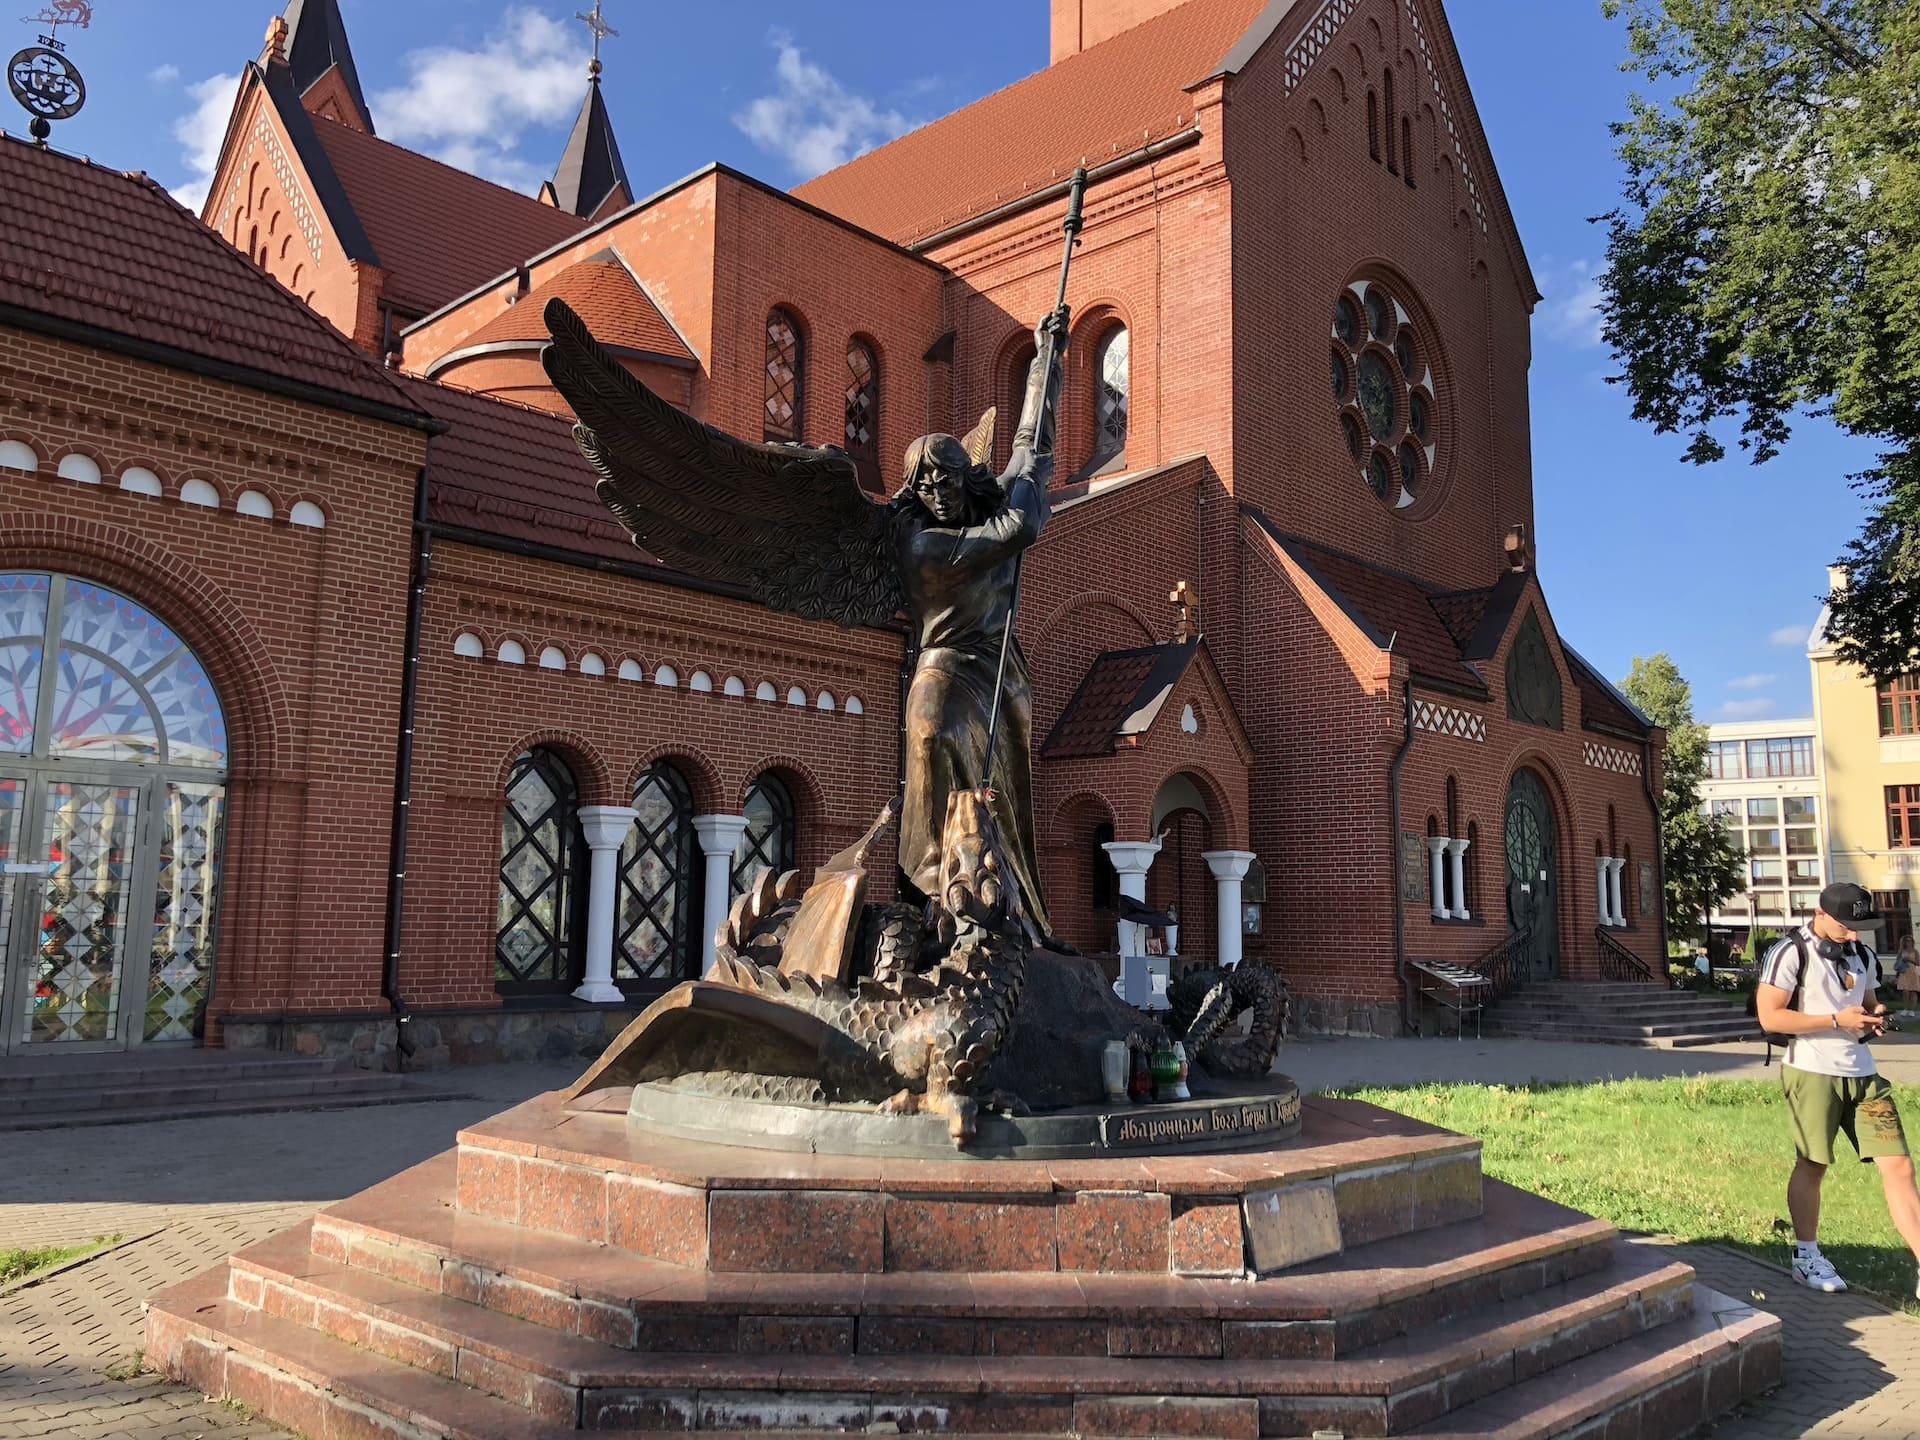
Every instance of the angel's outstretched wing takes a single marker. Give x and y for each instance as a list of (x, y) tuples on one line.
[(788, 523)]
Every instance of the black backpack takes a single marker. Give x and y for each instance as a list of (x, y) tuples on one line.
[(1800, 984)]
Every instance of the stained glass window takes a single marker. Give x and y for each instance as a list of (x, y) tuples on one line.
[(23, 625), (89, 831), (655, 922), (538, 846), (1112, 383), (784, 362), (1383, 386), (863, 411), (767, 842), (183, 910)]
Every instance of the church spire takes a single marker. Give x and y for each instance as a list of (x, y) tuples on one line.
[(322, 63), (591, 178)]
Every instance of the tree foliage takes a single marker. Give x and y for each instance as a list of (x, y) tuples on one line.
[(1766, 261), (1704, 865)]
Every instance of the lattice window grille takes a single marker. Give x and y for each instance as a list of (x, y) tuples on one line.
[(1449, 721), (1606, 757), (1315, 38), (656, 881)]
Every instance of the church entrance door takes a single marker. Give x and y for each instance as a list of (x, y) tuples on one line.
[(1533, 861)]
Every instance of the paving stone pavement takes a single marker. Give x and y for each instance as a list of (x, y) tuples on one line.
[(186, 1193)]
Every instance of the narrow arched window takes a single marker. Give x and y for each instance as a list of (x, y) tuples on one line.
[(541, 871), (768, 841), (1104, 888), (1406, 150), (785, 363), (1013, 399), (1626, 885), (1453, 808), (1613, 832), (1393, 165), (1472, 873), (863, 411), (654, 930), (1112, 384), (1373, 126)]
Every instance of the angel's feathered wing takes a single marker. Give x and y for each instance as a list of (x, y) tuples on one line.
[(788, 523)]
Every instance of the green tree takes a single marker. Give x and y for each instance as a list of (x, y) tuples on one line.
[(1704, 864), (1766, 262)]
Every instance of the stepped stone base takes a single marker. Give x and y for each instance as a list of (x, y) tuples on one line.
[(561, 1270)]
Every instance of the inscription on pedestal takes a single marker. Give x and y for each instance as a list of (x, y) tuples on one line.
[(1198, 1124)]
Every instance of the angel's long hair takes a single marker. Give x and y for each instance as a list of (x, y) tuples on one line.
[(985, 499)]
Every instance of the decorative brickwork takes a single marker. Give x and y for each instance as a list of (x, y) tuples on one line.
[(1606, 757), (1318, 35), (1450, 720)]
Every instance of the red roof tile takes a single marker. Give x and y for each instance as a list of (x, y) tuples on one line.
[(440, 232), (602, 292), (96, 247), (513, 471), (1089, 108)]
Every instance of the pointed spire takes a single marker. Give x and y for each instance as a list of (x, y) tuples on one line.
[(591, 174), (322, 63)]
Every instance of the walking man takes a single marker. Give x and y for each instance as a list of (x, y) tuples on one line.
[(1817, 988)]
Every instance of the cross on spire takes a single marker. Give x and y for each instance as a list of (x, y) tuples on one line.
[(601, 30)]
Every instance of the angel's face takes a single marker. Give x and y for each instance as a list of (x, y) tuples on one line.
[(943, 492)]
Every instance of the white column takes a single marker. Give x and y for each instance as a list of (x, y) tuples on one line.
[(1229, 868), (1457, 867), (1437, 874), (1605, 889), (1131, 861), (719, 836), (605, 828), (1616, 868)]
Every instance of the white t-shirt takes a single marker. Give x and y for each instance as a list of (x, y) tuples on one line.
[(1831, 986)]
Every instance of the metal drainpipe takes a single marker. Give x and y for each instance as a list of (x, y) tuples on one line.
[(403, 774), (1405, 979), (1660, 856)]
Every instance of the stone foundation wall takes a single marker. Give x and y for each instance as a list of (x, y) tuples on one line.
[(1331, 1015), (474, 1038)]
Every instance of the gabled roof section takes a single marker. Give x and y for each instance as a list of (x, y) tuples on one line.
[(1106, 102), (1602, 705), (317, 49), (1120, 696), (440, 232), (514, 472), (604, 293), (591, 172), (110, 259)]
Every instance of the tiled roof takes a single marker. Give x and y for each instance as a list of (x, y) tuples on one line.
[(603, 292), (95, 247), (1102, 103), (1121, 695), (1461, 612), (440, 232), (515, 472)]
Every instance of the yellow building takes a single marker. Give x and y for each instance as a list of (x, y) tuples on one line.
[(1869, 738)]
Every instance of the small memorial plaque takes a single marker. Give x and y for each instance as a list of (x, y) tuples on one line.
[(1200, 1124), (1413, 868)]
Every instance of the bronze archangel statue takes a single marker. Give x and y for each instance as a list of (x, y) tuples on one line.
[(792, 525)]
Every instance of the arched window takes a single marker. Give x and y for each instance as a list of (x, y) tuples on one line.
[(1627, 888), (114, 746), (1393, 165), (1453, 808), (1105, 881), (1613, 832), (541, 869), (1473, 868), (1406, 150), (1013, 398), (1373, 126), (863, 411), (1112, 382), (767, 843), (655, 929), (785, 367)]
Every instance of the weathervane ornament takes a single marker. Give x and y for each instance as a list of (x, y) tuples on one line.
[(77, 13), (45, 82), (601, 30)]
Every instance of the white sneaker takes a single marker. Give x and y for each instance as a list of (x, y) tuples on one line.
[(1816, 1272)]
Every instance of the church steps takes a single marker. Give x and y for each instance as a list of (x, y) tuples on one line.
[(143, 1070), (1621, 1014), (173, 1097)]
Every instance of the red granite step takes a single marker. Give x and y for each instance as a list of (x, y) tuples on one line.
[(1663, 1384), (406, 1229)]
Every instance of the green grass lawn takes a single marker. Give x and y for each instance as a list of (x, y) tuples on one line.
[(1705, 1160), (17, 1264)]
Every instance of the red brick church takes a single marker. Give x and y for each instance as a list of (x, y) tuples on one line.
[(329, 692)]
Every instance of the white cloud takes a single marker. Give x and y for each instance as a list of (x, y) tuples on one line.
[(470, 107), (811, 121), (1751, 682), (1789, 637), (200, 132), (1571, 309), (1757, 708), (164, 74)]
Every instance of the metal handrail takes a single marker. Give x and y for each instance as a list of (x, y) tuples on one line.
[(1503, 965), (1618, 963)]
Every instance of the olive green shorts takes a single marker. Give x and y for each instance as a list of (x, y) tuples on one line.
[(1821, 1106)]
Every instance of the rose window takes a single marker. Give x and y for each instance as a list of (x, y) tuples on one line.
[(1384, 385)]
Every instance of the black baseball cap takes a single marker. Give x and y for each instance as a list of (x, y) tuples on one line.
[(1850, 905)]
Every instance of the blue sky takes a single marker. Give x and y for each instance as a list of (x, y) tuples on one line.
[(1640, 552)]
